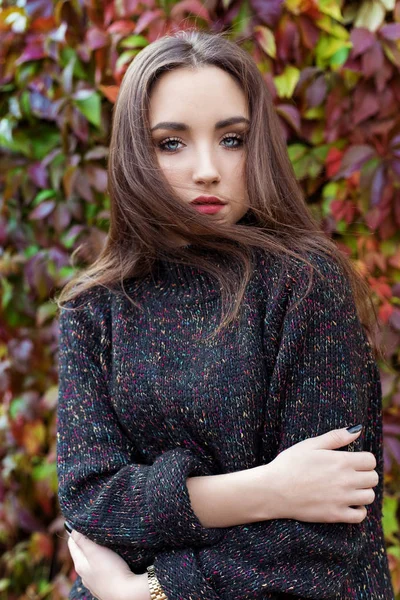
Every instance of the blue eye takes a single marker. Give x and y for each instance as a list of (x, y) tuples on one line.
[(235, 137), (164, 144)]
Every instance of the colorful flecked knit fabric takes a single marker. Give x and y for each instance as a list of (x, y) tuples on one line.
[(145, 402)]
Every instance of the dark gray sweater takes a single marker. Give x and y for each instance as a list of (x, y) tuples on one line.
[(144, 403)]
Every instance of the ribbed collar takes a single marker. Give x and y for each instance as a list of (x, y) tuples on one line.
[(175, 283)]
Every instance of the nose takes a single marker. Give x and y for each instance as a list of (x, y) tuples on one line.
[(205, 169)]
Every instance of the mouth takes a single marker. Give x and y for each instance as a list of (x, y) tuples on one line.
[(208, 200)]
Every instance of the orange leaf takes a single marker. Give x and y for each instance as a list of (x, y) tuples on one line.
[(110, 92)]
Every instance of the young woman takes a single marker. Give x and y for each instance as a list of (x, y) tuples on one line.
[(212, 359)]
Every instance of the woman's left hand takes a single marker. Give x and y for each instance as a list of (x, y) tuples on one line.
[(104, 573)]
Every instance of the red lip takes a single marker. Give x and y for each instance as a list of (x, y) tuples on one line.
[(207, 200)]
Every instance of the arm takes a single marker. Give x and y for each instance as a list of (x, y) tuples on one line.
[(233, 498), (104, 490), (324, 377)]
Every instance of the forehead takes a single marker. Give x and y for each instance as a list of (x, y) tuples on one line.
[(197, 94)]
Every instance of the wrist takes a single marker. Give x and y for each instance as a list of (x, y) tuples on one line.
[(265, 493), (136, 587)]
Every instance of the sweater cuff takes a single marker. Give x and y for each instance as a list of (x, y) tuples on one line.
[(168, 500)]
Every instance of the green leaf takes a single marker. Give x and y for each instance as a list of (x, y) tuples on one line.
[(4, 584), (43, 195), (327, 46), (6, 292), (340, 57), (297, 151), (287, 81), (389, 519), (125, 57), (90, 107), (134, 41)]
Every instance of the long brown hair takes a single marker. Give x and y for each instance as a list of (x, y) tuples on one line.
[(146, 213)]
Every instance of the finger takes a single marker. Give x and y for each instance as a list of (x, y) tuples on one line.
[(78, 556), (88, 547)]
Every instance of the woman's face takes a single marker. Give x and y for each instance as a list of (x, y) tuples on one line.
[(198, 153)]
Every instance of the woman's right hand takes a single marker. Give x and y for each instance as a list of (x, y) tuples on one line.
[(314, 483)]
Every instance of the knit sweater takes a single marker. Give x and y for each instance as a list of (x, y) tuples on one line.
[(145, 402)]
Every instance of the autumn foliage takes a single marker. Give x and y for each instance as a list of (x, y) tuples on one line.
[(333, 69)]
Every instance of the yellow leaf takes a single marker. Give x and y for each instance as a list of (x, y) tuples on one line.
[(328, 24), (331, 8), (371, 15), (328, 46), (389, 4), (294, 6), (266, 39), (287, 81)]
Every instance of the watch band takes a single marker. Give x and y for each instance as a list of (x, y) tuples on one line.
[(156, 591)]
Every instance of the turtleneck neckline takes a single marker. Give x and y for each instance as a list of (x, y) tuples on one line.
[(173, 282)]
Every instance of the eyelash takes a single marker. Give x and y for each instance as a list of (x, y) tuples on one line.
[(161, 145)]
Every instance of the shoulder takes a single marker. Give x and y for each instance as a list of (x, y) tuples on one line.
[(313, 278), (88, 310)]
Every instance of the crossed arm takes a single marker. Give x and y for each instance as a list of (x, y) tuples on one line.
[(324, 377)]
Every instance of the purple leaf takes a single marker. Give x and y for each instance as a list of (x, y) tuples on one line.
[(33, 51), (96, 38), (391, 428), (269, 12), (316, 91), (393, 445), (391, 31), (290, 114), (42, 107), (378, 183), (353, 159), (42, 210), (395, 319), (38, 174), (364, 107), (362, 39), (373, 60)]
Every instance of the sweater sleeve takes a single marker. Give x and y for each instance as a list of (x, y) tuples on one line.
[(104, 489), (324, 377)]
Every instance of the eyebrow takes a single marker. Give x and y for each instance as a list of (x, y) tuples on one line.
[(175, 126)]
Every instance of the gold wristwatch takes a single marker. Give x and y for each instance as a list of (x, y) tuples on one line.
[(156, 591)]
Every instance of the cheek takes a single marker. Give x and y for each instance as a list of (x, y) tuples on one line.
[(172, 170)]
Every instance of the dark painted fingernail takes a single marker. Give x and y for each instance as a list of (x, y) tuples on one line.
[(68, 527), (354, 428)]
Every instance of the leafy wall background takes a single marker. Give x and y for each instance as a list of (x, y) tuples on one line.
[(333, 68)]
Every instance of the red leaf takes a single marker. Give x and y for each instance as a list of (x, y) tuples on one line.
[(146, 18), (122, 27), (333, 161), (308, 31), (193, 7)]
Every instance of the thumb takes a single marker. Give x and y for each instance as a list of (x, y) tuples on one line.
[(336, 438), (78, 538)]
